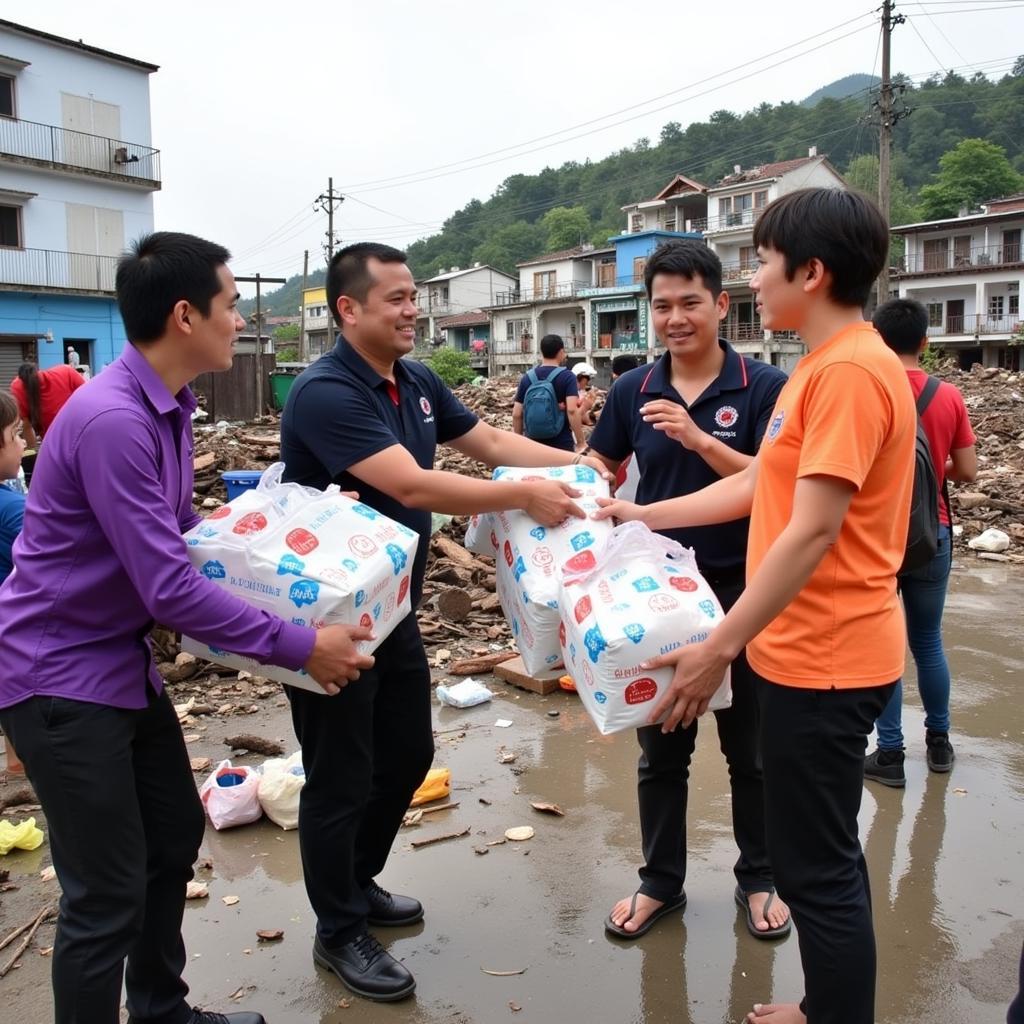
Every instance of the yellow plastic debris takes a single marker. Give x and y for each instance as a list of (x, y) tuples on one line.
[(436, 786), (23, 837)]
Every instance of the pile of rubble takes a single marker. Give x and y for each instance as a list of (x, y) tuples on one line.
[(995, 403)]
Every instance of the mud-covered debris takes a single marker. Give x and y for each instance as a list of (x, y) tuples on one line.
[(270, 934), (546, 808), (255, 745), (520, 833), (200, 764), (48, 874), (229, 901), (503, 974), (196, 890), (506, 756)]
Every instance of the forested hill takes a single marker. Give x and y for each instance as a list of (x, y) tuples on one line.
[(851, 85), (530, 214)]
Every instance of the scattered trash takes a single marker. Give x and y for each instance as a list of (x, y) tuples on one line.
[(255, 744), (503, 723), (506, 756), (481, 850), (270, 935), (436, 786), (514, 1007), (229, 901), (29, 930), (567, 683), (992, 540), (466, 694), (231, 796), (279, 789), (554, 713), (503, 974), (196, 890), (48, 874), (519, 833), (200, 764), (430, 840), (344, 1004), (546, 808), (960, 791), (25, 836)]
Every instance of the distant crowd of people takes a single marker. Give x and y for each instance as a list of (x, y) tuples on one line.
[(795, 494)]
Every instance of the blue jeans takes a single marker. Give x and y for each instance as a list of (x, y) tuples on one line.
[(924, 596)]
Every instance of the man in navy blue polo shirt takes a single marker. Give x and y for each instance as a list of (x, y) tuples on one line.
[(695, 416), (367, 419), (567, 394)]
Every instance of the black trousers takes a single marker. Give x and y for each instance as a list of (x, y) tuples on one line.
[(663, 773), (125, 824), (813, 744), (365, 752)]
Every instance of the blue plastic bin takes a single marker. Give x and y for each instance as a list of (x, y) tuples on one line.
[(239, 480)]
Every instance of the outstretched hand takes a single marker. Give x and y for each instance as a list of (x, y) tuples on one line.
[(699, 671), (623, 511)]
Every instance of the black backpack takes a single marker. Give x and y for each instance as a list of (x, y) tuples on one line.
[(923, 529)]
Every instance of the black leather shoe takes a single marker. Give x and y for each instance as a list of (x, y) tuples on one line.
[(366, 968), (390, 911), (206, 1017)]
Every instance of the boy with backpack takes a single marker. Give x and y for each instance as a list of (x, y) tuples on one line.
[(828, 496), (546, 407), (903, 325)]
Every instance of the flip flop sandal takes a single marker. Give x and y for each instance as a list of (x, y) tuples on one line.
[(767, 933), (676, 903)]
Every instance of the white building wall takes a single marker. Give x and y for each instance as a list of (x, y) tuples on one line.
[(810, 176), (54, 69), (564, 273)]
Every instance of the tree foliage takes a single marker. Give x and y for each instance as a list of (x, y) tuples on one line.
[(975, 170), (452, 366)]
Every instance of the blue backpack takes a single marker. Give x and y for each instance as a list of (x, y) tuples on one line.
[(542, 419)]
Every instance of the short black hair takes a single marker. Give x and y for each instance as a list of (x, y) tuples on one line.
[(347, 273), (623, 364), (903, 325), (844, 229), (161, 269), (551, 345), (688, 257)]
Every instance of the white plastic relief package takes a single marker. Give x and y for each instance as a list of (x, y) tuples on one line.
[(530, 559), (312, 557), (230, 796), (281, 782), (643, 597)]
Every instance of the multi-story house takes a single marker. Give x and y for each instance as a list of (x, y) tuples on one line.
[(457, 291), (317, 323), (77, 177), (682, 205), (968, 271), (469, 332), (734, 205)]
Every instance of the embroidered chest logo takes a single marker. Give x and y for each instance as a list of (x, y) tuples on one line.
[(425, 406), (775, 427), (726, 416)]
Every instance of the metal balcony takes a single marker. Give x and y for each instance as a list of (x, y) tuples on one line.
[(982, 257), (737, 219), (57, 271), (45, 145), (976, 324)]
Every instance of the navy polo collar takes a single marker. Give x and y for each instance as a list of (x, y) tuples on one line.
[(733, 375), (352, 360)]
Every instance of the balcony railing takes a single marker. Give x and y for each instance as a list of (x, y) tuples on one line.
[(976, 324), (63, 147), (46, 268), (983, 257), (627, 341), (742, 332), (736, 219), (566, 290), (514, 346), (737, 271)]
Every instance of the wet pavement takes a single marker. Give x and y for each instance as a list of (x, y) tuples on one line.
[(945, 856)]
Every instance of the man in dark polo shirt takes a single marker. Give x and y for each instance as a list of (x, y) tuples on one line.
[(367, 419), (696, 415), (567, 393)]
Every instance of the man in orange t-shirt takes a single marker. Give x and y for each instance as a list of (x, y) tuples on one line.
[(829, 501)]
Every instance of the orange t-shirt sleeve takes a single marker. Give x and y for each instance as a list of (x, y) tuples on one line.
[(846, 419)]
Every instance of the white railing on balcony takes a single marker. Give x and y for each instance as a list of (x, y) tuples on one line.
[(46, 268), (514, 346), (976, 323), (742, 332), (31, 141), (566, 290), (736, 219), (980, 257), (738, 270)]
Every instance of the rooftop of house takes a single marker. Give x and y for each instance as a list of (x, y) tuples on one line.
[(474, 318), (461, 271), (765, 172), (74, 44)]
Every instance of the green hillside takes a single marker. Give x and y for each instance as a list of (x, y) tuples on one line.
[(851, 85)]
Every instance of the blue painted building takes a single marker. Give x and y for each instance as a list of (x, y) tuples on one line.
[(77, 177)]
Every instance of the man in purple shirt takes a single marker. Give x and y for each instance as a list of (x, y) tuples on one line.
[(100, 558)]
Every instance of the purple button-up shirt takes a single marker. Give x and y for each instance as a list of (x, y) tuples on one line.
[(101, 555)]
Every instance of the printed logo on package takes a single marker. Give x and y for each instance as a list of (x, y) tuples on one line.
[(519, 569), (301, 541), (582, 540), (360, 598), (249, 524), (365, 511), (290, 566), (389, 606), (586, 475), (362, 546), (646, 583), (222, 513), (542, 557), (214, 570), (538, 533), (403, 589), (207, 531), (398, 557), (582, 562), (304, 592), (561, 636), (708, 608), (594, 642), (583, 608), (377, 609), (641, 690), (509, 559), (365, 621), (683, 583), (775, 427), (351, 564), (726, 416), (663, 603), (634, 631)]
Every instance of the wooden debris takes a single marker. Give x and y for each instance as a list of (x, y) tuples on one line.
[(270, 935), (30, 927), (480, 664), (455, 604), (430, 840), (203, 462), (546, 808), (514, 672), (255, 744)]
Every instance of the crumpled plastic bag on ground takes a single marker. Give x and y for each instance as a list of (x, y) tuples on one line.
[(280, 786), (231, 796), (436, 786), (25, 836), (466, 694)]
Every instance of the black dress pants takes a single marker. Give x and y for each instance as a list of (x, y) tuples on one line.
[(813, 744), (662, 785), (365, 752), (124, 825)]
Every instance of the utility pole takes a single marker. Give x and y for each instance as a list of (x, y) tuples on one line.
[(258, 280), (887, 118), (302, 308), (328, 202)]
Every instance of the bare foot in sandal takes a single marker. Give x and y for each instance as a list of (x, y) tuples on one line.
[(642, 909), (778, 912), (776, 1013)]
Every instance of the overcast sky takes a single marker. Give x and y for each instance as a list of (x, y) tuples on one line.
[(256, 104)]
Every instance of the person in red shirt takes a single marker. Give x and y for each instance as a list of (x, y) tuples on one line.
[(41, 394), (903, 325)]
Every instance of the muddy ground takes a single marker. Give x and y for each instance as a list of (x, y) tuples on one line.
[(945, 856)]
